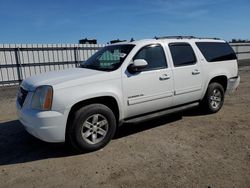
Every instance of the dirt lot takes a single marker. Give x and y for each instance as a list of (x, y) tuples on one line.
[(184, 150)]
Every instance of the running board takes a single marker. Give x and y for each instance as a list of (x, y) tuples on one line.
[(162, 113)]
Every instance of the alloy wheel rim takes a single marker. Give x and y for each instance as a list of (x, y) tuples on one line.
[(215, 99), (94, 129)]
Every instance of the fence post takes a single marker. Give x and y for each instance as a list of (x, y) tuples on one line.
[(237, 51), (18, 65), (76, 56)]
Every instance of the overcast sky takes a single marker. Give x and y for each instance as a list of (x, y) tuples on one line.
[(67, 21)]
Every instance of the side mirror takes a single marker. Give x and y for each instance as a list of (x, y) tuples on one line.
[(137, 66)]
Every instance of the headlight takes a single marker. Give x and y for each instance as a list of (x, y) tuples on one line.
[(42, 98)]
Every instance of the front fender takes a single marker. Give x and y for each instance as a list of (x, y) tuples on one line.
[(66, 98)]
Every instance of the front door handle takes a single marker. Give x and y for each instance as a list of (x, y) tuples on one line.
[(196, 71), (164, 77)]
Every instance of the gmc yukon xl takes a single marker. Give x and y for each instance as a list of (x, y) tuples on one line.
[(124, 82)]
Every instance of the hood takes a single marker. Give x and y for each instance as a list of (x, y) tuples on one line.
[(58, 77)]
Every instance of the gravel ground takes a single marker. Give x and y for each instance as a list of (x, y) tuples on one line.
[(183, 150)]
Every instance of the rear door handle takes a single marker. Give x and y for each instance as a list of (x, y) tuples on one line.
[(196, 71), (164, 77)]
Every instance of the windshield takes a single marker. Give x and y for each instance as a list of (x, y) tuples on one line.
[(108, 58)]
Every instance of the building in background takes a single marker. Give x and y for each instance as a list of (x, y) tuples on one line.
[(88, 41)]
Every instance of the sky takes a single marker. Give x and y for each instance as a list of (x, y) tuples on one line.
[(67, 21)]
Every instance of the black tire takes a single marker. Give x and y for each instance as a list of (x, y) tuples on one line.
[(216, 92), (81, 127)]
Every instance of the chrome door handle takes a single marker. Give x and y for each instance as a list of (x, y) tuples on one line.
[(196, 71), (164, 77)]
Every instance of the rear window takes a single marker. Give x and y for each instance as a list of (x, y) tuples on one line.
[(216, 51)]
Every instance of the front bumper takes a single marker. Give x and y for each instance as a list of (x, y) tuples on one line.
[(48, 126), (232, 84)]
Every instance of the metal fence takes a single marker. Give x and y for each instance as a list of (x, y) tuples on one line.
[(242, 50), (18, 62)]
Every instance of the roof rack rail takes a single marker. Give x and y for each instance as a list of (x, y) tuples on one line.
[(184, 37), (175, 37), (117, 41), (214, 38)]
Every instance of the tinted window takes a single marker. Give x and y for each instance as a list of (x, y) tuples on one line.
[(154, 55), (216, 51), (182, 54)]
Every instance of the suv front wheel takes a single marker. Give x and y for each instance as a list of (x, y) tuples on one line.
[(214, 98), (93, 127)]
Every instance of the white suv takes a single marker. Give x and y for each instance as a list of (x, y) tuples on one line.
[(127, 81)]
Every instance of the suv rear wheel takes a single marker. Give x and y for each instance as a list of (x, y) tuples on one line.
[(214, 98), (92, 128)]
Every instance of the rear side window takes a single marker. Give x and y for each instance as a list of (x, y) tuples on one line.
[(182, 54), (154, 55), (216, 51)]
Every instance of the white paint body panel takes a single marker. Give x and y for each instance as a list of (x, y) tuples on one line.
[(154, 94)]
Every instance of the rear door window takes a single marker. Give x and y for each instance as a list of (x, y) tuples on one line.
[(216, 51), (182, 54)]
